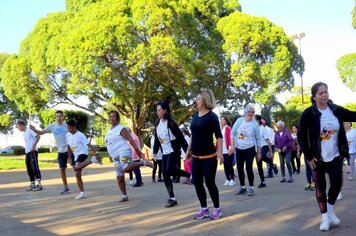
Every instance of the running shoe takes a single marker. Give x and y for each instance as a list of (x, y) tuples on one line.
[(283, 180), (312, 186), (339, 197), (124, 199), (350, 178), (241, 191), (250, 192), (333, 220), (202, 213), (65, 190), (226, 182), (31, 187), (232, 183), (171, 203), (137, 184), (38, 188), (325, 224), (160, 180), (307, 187), (262, 185), (290, 180), (216, 214), (148, 163), (81, 196)]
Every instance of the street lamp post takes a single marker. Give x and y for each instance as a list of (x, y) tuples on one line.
[(299, 37)]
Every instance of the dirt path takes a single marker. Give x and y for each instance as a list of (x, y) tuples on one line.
[(279, 209)]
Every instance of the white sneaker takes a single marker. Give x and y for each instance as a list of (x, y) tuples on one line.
[(339, 197), (325, 224), (226, 183), (350, 178), (81, 196), (131, 182), (232, 183), (333, 219)]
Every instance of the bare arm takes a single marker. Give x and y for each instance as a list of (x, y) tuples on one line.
[(124, 133), (35, 143), (39, 132)]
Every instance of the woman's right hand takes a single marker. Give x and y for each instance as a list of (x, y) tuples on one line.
[(231, 151), (312, 163)]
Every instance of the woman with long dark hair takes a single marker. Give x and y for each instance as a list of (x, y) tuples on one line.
[(324, 143), (170, 140)]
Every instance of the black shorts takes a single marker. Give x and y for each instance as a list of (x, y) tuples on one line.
[(63, 159), (81, 158)]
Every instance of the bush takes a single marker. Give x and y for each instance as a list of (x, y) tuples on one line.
[(19, 151), (43, 150)]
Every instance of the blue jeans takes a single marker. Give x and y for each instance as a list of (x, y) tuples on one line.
[(137, 173)]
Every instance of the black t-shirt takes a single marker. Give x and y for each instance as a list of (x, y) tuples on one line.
[(203, 129)]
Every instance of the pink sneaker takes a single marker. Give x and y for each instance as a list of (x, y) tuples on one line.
[(202, 213), (216, 214)]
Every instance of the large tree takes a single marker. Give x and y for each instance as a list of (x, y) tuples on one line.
[(347, 70), (127, 54), (8, 109)]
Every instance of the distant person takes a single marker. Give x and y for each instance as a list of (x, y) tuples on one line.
[(324, 144), (284, 142), (78, 146), (59, 131), (31, 159), (351, 140), (228, 159), (157, 161), (136, 158), (295, 155), (187, 162)]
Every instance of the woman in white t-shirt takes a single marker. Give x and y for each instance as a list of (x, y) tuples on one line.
[(324, 143), (351, 140), (246, 142), (117, 142)]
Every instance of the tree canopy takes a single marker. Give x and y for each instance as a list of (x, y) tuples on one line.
[(128, 54), (346, 66), (8, 109)]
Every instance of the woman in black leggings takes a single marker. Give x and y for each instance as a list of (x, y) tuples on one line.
[(323, 140), (170, 140), (204, 125)]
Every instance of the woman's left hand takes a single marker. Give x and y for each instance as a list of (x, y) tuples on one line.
[(220, 157)]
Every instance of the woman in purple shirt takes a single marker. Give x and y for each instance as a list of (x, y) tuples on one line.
[(284, 141)]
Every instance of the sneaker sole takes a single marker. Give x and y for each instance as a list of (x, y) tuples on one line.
[(199, 218), (216, 218)]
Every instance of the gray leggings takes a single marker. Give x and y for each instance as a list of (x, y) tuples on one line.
[(283, 158)]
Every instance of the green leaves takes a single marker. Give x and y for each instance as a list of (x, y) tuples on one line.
[(260, 54), (346, 66)]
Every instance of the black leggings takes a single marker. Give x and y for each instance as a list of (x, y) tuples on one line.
[(247, 156), (297, 160), (334, 169), (169, 168), (33, 170), (205, 169), (229, 167), (264, 151), (157, 163)]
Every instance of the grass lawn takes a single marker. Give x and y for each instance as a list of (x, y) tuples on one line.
[(45, 160)]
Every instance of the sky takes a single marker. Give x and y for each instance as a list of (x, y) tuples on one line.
[(326, 24)]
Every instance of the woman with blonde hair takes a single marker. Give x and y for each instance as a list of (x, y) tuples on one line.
[(204, 126)]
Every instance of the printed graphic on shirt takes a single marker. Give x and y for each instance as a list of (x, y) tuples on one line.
[(327, 132), (243, 135)]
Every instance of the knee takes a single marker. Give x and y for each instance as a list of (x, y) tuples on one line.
[(78, 174)]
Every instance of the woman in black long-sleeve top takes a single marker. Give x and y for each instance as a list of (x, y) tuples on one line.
[(204, 126), (170, 140), (323, 140)]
